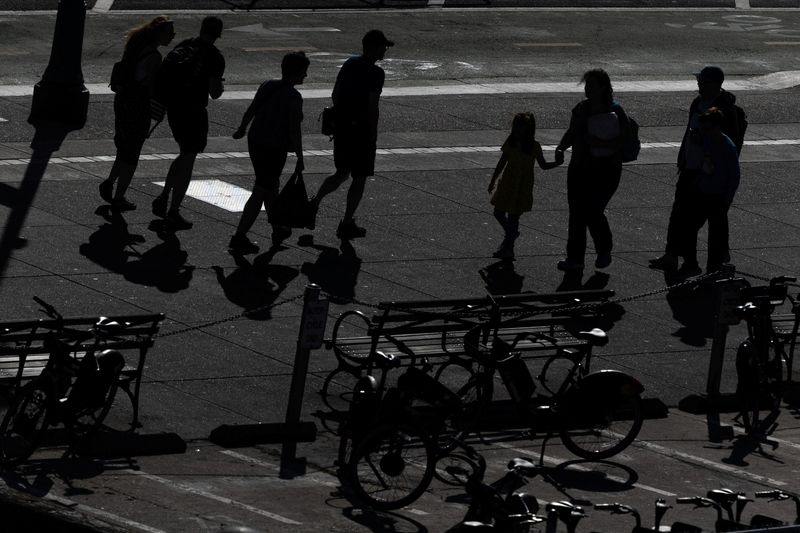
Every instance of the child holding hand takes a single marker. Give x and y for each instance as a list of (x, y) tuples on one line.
[(514, 192)]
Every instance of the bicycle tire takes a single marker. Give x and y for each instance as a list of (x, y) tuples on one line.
[(392, 466), (85, 421), (554, 372), (24, 423), (604, 428), (339, 401), (760, 397)]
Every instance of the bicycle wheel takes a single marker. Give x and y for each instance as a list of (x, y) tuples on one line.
[(24, 423), (760, 394), (555, 371), (602, 428), (392, 466), (86, 420), (337, 390)]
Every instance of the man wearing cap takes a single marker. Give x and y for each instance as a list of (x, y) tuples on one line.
[(355, 101), (690, 161)]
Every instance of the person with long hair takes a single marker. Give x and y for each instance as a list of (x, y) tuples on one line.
[(132, 102), (514, 192), (597, 130)]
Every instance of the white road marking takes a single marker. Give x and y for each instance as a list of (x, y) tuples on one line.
[(558, 461), (702, 461), (311, 29), (128, 524), (103, 6), (3, 120), (177, 485), (436, 3), (274, 467), (773, 81), (782, 43), (742, 4), (232, 192), (219, 193), (545, 45)]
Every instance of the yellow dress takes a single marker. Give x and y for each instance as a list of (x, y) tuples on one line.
[(514, 191)]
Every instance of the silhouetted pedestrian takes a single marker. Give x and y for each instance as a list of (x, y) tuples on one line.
[(190, 73), (514, 193), (276, 112), (355, 100), (690, 160), (132, 99), (713, 191), (597, 130)]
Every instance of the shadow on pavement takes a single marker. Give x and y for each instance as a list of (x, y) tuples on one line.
[(501, 278), (335, 270)]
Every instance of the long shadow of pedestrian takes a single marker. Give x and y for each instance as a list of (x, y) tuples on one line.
[(335, 270), (694, 306), (163, 266), (501, 278), (611, 312), (111, 246), (256, 285)]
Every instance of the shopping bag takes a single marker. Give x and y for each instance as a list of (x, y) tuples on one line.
[(292, 208)]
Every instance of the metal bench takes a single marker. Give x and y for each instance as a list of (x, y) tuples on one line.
[(23, 355)]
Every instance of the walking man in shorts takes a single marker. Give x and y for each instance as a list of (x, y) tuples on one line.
[(355, 101), (276, 113), (188, 116)]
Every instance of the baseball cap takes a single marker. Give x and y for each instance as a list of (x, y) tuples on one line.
[(711, 73), (376, 37)]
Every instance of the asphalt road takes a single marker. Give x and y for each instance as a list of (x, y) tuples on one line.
[(454, 80)]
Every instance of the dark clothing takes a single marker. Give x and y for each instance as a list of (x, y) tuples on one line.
[(189, 127), (355, 139), (730, 125), (589, 189), (268, 163), (712, 208), (276, 103), (131, 126), (356, 80), (591, 181), (680, 217), (187, 114)]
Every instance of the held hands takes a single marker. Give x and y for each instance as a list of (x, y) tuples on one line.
[(559, 156), (238, 134)]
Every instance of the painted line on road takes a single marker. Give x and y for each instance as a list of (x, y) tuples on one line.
[(768, 82), (557, 461), (742, 4), (217, 193), (271, 466), (702, 461), (3, 120), (103, 6), (782, 43), (111, 517), (547, 45), (381, 151), (177, 485)]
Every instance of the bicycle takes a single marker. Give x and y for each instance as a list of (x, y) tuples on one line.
[(661, 508), (761, 358), (597, 414), (76, 388), (764, 521)]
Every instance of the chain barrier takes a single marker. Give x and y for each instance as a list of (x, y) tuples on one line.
[(231, 318)]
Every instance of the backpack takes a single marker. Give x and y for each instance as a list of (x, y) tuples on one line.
[(123, 73), (741, 120), (632, 145), (178, 72)]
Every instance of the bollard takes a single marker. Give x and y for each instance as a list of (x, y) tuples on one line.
[(312, 330)]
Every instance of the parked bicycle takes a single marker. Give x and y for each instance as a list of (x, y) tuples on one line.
[(596, 414), (661, 508), (76, 388), (761, 358)]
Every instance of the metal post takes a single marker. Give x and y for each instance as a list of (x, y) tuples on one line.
[(60, 105), (312, 328)]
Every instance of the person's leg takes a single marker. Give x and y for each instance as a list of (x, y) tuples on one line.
[(608, 175), (717, 210), (183, 165), (576, 226), (330, 184), (502, 218), (354, 195), (125, 176), (251, 209), (679, 225)]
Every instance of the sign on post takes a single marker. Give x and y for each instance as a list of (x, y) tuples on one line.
[(315, 317)]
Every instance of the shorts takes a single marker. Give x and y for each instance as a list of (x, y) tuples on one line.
[(268, 163), (354, 153), (131, 126), (189, 127)]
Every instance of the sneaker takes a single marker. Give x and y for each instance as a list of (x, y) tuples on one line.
[(349, 230), (689, 270), (567, 265), (122, 204), (666, 262), (602, 261), (176, 220), (240, 243), (160, 206), (106, 189)]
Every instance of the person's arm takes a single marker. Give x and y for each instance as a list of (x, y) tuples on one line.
[(547, 165), (215, 85), (497, 170), (246, 119), (568, 138), (734, 175), (682, 149), (373, 113), (295, 134)]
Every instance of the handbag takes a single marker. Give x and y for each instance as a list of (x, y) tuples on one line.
[(292, 208), (328, 119)]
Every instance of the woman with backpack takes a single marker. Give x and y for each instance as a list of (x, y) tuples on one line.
[(132, 81), (597, 133)]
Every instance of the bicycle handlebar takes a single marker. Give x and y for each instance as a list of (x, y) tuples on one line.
[(48, 309), (777, 495)]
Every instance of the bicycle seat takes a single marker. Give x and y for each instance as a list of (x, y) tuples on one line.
[(595, 337), (106, 326), (522, 465), (386, 360)]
